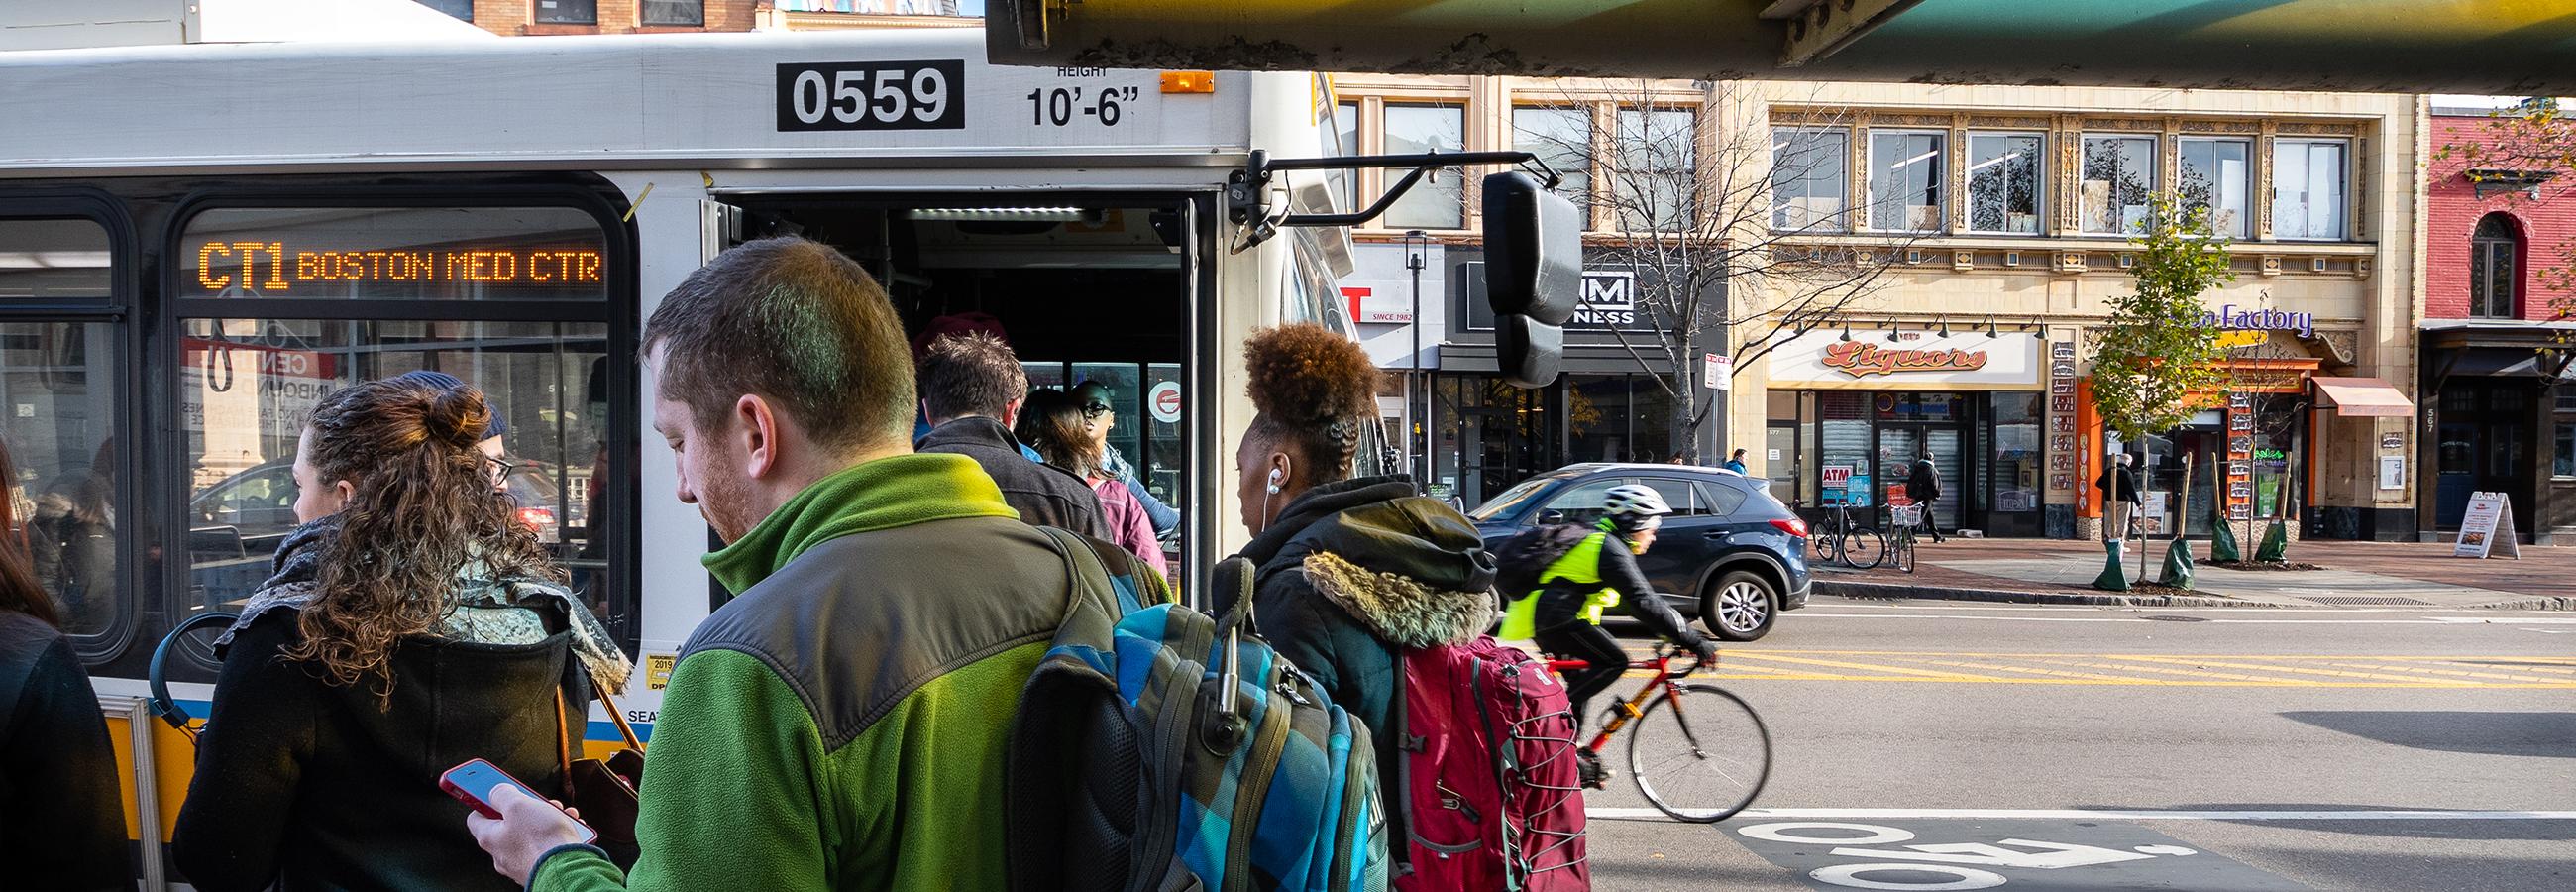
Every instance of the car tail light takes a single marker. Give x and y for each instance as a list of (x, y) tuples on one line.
[(1790, 525)]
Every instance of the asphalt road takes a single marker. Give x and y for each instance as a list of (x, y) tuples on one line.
[(1943, 745)]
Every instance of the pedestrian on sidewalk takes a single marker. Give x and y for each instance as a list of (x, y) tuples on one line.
[(1923, 484), (1735, 462), (2119, 497)]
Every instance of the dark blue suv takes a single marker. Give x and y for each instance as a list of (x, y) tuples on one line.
[(1729, 554)]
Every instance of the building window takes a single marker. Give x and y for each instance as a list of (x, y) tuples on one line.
[(567, 12), (2307, 189), (1655, 180), (2119, 173), (2493, 279), (2004, 182), (1346, 132), (1562, 137), (462, 9), (2565, 463), (523, 316), (1808, 180), (2216, 177), (1440, 200), (1906, 174), (686, 13)]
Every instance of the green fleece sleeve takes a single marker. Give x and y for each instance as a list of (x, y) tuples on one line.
[(731, 799)]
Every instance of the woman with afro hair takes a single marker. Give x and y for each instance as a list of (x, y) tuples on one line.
[(1353, 570)]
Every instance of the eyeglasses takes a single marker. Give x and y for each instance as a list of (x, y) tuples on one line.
[(1093, 410)]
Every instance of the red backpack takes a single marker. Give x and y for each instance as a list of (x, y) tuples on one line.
[(1486, 780)]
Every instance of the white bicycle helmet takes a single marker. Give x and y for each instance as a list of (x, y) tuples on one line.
[(1635, 506)]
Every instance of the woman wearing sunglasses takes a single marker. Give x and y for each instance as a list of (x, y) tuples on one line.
[(1055, 424)]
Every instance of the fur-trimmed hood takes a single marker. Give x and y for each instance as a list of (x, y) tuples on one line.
[(1410, 569), (1399, 609)]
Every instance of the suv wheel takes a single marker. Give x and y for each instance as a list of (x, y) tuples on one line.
[(1740, 606)]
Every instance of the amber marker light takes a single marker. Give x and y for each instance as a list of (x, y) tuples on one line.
[(1189, 82)]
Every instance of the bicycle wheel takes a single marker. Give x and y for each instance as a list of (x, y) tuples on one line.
[(1703, 759), (1900, 550), (1863, 547), (1822, 541)]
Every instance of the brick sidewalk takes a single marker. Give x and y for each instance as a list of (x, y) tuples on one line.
[(2420, 572)]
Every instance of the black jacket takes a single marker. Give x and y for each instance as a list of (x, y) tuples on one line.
[(2118, 484), (1045, 495), (319, 786), (1922, 484), (1352, 573), (61, 823)]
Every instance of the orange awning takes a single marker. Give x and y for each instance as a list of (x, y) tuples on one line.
[(2364, 398)]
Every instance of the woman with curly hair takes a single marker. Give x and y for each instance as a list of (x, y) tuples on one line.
[(1052, 422), (412, 623), (1353, 570)]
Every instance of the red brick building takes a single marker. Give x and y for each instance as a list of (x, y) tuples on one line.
[(512, 18), (2499, 393)]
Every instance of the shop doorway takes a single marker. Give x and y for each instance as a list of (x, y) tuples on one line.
[(2483, 431), (1915, 426), (1489, 435), (2204, 440)]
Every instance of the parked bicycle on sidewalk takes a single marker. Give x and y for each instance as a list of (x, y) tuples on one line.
[(1839, 538)]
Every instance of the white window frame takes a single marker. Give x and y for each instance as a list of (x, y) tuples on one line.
[(1386, 108), (2039, 192), (1941, 175), (2343, 192), (2155, 175), (1840, 221), (2246, 224)]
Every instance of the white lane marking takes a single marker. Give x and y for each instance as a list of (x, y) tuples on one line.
[(2086, 814), (2526, 621)]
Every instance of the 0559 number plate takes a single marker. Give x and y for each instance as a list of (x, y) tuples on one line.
[(908, 95)]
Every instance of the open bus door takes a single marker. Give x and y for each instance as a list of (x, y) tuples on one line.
[(1086, 286)]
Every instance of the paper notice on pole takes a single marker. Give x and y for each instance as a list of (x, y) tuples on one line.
[(2488, 523), (2153, 511)]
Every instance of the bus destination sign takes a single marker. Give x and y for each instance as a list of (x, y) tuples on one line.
[(269, 267)]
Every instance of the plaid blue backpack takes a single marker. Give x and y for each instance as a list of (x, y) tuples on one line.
[(1159, 749)]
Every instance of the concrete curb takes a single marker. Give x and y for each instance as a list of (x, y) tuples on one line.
[(2537, 602), (2008, 596), (1901, 591)]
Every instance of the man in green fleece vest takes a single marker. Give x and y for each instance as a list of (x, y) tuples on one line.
[(840, 724)]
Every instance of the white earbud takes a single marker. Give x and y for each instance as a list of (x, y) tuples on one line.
[(1277, 475)]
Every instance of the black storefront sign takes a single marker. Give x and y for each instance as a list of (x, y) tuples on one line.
[(1613, 300)]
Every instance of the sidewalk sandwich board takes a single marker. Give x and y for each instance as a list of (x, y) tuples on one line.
[(2489, 523)]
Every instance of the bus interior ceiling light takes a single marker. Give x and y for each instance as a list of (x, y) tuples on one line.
[(1010, 215)]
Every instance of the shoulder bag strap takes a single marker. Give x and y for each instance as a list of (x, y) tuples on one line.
[(563, 743), (619, 716)]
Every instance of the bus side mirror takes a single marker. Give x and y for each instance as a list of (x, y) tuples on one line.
[(1533, 274)]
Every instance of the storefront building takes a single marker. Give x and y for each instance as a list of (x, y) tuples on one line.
[(1997, 222), (1863, 407), (2008, 214), (2500, 407)]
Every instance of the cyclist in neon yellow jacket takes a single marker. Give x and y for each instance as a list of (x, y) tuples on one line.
[(1564, 615)]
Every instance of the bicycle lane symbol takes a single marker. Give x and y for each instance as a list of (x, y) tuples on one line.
[(1953, 854)]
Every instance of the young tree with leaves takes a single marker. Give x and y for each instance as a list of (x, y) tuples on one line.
[(2155, 353)]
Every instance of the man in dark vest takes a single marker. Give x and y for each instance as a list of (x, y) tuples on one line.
[(971, 390)]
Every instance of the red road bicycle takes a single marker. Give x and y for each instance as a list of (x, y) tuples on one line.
[(1697, 752)]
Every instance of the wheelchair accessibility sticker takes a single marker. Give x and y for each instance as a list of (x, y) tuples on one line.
[(1955, 854)]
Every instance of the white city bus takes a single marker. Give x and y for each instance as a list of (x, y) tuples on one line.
[(197, 242)]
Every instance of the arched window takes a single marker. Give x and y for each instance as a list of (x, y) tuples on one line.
[(2494, 281)]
